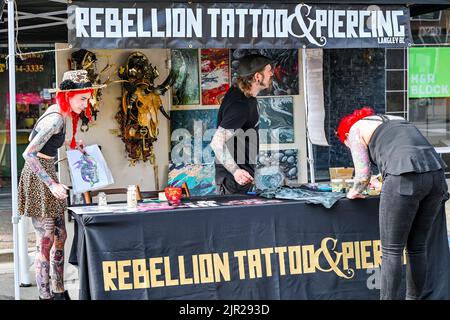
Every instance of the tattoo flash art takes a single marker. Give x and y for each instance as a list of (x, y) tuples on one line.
[(88, 169)]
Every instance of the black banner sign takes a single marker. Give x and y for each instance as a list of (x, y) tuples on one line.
[(288, 250), (236, 25)]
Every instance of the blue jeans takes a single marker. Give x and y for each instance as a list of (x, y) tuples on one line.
[(409, 204)]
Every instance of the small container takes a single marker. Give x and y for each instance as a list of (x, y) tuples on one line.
[(102, 202), (337, 185), (131, 197), (349, 184), (173, 195)]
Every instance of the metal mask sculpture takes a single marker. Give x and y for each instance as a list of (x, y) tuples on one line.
[(138, 115)]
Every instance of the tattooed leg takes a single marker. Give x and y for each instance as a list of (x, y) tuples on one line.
[(44, 228), (57, 256)]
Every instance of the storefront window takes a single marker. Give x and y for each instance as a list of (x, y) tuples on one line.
[(34, 75), (429, 79)]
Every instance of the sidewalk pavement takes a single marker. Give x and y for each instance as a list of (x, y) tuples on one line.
[(27, 293)]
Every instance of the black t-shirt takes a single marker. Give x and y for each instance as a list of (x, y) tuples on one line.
[(240, 113)]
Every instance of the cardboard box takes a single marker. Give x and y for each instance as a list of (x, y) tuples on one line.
[(341, 173)]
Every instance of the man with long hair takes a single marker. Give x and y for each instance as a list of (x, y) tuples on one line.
[(236, 141)]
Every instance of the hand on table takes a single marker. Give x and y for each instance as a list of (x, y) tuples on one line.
[(242, 177), (352, 194)]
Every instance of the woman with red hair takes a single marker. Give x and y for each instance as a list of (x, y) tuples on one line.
[(41, 196), (413, 191)]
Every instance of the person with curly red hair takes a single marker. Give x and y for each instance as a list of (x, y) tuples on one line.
[(41, 196), (413, 191)]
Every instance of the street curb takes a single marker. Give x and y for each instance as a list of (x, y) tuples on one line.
[(6, 255)]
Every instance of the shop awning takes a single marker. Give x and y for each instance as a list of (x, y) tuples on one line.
[(44, 21)]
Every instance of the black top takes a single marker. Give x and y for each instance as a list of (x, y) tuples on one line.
[(55, 142), (239, 112), (398, 147)]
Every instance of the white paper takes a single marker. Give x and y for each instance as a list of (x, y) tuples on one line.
[(88, 171), (314, 88)]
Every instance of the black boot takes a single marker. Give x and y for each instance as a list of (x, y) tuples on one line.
[(61, 295)]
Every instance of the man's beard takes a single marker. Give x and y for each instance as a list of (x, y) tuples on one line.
[(269, 87)]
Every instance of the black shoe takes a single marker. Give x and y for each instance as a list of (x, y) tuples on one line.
[(61, 295)]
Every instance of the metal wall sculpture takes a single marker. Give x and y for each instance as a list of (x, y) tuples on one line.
[(138, 114)]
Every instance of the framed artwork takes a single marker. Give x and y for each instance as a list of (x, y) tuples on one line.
[(215, 75), (276, 119), (285, 69), (186, 89), (200, 178), (191, 134), (286, 160)]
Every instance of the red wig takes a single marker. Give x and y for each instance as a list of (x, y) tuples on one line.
[(62, 99), (349, 120)]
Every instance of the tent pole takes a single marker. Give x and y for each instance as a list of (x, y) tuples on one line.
[(312, 173), (12, 130)]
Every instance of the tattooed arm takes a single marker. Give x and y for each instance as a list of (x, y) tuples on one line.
[(361, 161), (46, 128), (223, 156), (218, 144)]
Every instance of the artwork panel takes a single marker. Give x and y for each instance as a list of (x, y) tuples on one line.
[(215, 75), (200, 178), (276, 119), (186, 89), (192, 131), (286, 160)]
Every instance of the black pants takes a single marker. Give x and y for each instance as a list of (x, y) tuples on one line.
[(408, 206)]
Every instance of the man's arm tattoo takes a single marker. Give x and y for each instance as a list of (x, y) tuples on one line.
[(223, 156), (361, 161), (47, 127)]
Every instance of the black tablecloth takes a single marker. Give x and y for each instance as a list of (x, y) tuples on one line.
[(288, 250)]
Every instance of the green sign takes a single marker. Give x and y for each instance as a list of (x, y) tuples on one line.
[(429, 72)]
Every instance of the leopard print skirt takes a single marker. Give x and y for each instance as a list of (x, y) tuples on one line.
[(35, 198)]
